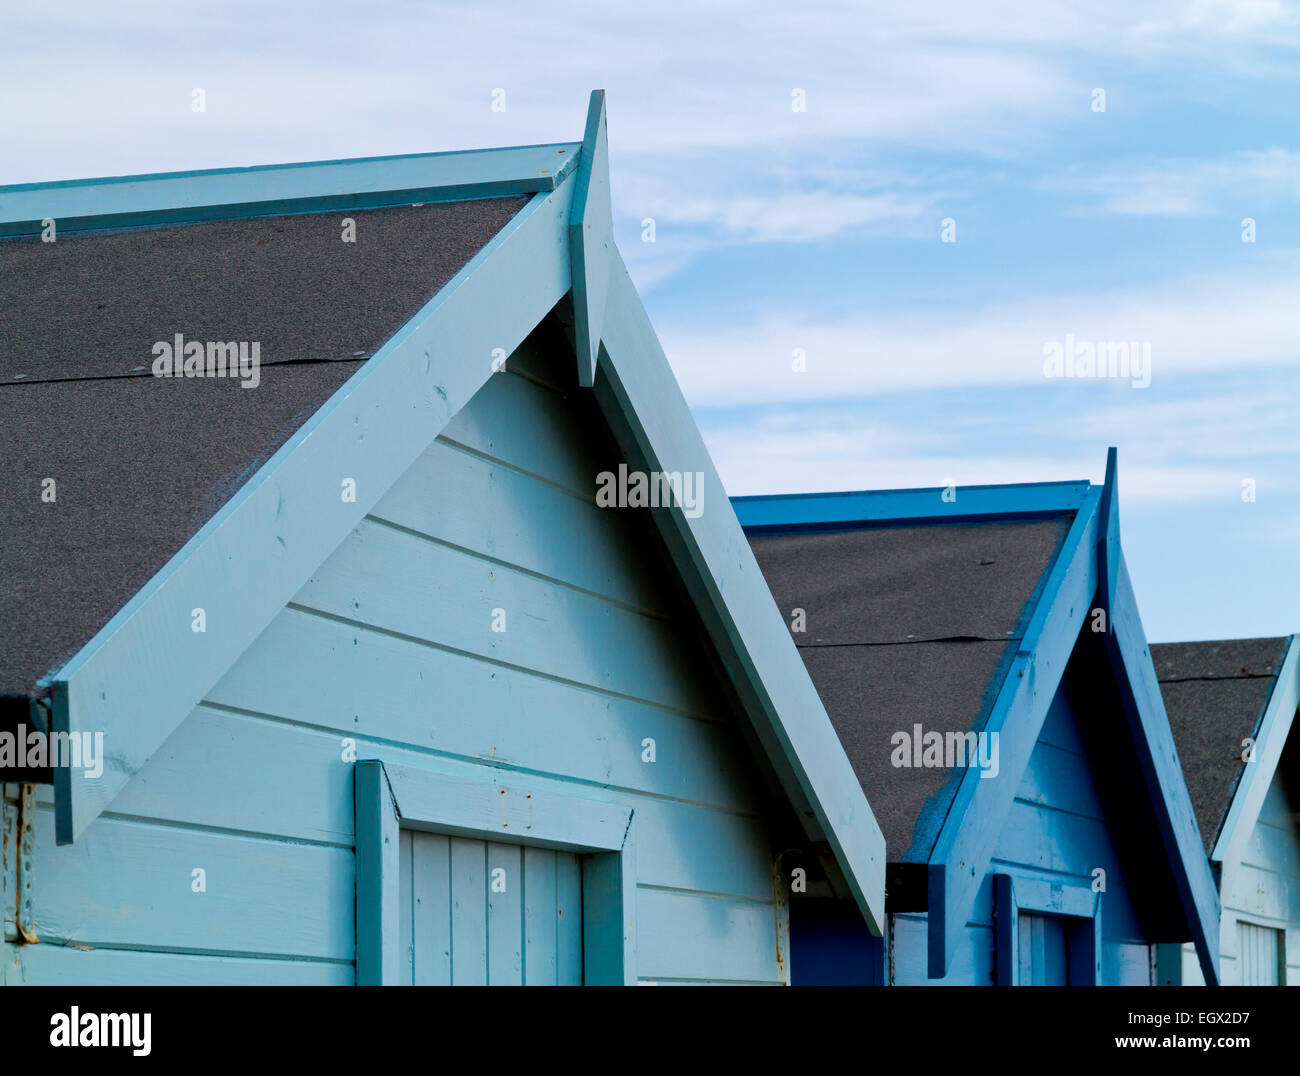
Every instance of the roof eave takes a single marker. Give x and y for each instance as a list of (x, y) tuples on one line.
[(1269, 738), (121, 202)]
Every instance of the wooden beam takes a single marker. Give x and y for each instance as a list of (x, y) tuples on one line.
[(86, 205), (964, 846), (811, 511), (506, 807), (649, 415), (378, 914), (1270, 738), (1144, 706), (591, 240)]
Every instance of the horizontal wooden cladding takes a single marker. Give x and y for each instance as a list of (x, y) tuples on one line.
[(411, 586), (545, 432), (131, 884), (316, 671), (58, 965), (467, 501), (694, 936), (264, 778)]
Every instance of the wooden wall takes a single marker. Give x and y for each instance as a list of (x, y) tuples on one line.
[(391, 645), (1264, 889)]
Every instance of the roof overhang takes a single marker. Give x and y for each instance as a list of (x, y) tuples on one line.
[(1088, 572), (143, 673), (1270, 737)]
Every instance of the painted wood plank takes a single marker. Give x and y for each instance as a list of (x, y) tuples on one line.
[(253, 903), (541, 918), (804, 511), (967, 841), (468, 502), (591, 240), (505, 915), (543, 432), (144, 671), (431, 886), (972, 961), (1061, 780), (406, 909), (58, 965), (469, 921), (1262, 893), (379, 954), (1273, 848), (568, 919), (611, 911), (684, 845), (1126, 963), (549, 629), (515, 808), (362, 683), (689, 936), (311, 187), (1158, 760), (650, 417)]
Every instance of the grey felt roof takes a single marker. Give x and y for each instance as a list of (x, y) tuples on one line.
[(907, 625), (141, 463), (1215, 694)]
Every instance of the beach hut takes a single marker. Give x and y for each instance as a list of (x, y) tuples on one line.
[(1231, 705), (372, 611), (980, 654)]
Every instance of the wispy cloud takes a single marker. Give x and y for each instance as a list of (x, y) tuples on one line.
[(1228, 321), (1243, 183)]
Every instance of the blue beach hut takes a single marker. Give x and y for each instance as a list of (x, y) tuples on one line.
[(342, 671), (1232, 705), (980, 654)]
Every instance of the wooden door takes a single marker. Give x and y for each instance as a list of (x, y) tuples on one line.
[(1043, 952), (480, 913), (1260, 950)]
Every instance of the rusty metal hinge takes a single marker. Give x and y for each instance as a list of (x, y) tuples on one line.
[(25, 917)]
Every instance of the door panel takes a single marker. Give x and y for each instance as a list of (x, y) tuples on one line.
[(1042, 950), (1260, 949), (482, 913)]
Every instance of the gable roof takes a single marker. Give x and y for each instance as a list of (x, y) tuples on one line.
[(888, 605), (1221, 695), (144, 670), (955, 642), (139, 464)]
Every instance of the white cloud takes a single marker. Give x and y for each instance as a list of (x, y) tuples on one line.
[(1227, 322), (1242, 183)]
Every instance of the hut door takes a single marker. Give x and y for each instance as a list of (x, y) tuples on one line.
[(481, 913), (1043, 952), (1260, 949)]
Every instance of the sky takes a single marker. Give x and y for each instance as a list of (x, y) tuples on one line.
[(918, 204)]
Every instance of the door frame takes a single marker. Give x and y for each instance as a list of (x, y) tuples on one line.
[(492, 805), (1077, 903)]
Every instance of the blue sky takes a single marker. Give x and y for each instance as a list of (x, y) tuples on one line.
[(820, 230)]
